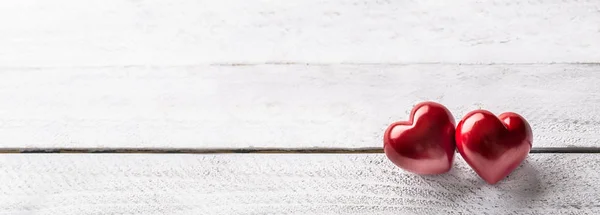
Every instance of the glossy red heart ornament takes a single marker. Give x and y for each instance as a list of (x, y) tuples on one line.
[(493, 146), (425, 143)]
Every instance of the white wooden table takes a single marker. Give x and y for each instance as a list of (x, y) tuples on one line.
[(243, 74)]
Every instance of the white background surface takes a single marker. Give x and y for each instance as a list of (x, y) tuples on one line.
[(283, 105), (68, 33), (287, 184), (288, 74), (239, 73)]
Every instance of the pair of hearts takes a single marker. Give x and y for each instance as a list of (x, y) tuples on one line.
[(426, 143)]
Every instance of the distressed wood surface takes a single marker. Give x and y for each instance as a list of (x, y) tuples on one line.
[(36, 33), (284, 106), (287, 184), (238, 74)]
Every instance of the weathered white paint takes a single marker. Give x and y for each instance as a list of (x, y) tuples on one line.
[(38, 33), (287, 184), (114, 73), (282, 105)]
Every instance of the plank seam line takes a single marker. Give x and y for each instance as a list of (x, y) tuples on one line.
[(313, 150), (291, 63)]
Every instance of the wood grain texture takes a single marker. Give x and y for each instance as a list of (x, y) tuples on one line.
[(37, 33), (287, 184), (283, 105)]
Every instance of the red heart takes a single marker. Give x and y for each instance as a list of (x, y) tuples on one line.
[(493, 146), (425, 143)]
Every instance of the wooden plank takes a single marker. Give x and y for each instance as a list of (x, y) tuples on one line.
[(38, 33), (285, 106), (287, 184)]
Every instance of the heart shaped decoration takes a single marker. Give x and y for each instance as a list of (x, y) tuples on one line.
[(493, 146), (425, 143)]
